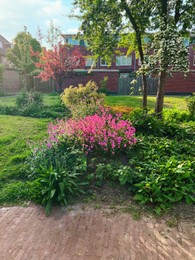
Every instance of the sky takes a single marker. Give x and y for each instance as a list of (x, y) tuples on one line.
[(15, 14)]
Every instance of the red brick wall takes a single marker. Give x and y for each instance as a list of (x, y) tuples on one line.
[(96, 76), (11, 81), (179, 84)]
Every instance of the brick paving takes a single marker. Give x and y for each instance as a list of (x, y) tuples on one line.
[(77, 233)]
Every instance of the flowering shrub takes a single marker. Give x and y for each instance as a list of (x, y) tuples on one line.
[(98, 132)]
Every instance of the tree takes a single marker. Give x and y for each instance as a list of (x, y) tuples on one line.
[(172, 19), (103, 24), (58, 63), (20, 54)]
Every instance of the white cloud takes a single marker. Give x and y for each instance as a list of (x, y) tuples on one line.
[(33, 14), (72, 30)]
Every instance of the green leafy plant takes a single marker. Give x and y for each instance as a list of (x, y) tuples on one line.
[(58, 185), (167, 183), (59, 169), (191, 104)]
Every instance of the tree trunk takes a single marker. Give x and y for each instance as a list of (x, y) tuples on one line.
[(140, 48), (160, 94), (144, 91)]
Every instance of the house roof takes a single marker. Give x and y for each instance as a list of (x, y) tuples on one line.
[(3, 40), (6, 44)]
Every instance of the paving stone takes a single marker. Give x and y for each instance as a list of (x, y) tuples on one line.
[(88, 234)]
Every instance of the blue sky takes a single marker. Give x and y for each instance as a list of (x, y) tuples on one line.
[(15, 14)]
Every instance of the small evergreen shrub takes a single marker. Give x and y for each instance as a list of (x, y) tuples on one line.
[(83, 100)]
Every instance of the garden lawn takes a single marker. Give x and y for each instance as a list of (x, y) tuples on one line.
[(130, 101), (15, 134), (178, 102), (48, 100)]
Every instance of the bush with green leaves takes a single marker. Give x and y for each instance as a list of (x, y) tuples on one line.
[(83, 100), (168, 182), (149, 124), (59, 169), (29, 103), (29, 98), (191, 104)]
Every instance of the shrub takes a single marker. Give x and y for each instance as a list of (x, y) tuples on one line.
[(82, 100), (191, 104), (29, 98), (149, 124), (99, 133)]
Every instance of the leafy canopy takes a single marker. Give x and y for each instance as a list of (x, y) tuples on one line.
[(58, 63), (20, 54)]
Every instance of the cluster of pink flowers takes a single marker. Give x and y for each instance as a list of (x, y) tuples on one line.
[(96, 132)]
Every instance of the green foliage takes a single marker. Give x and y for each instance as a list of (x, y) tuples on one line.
[(167, 183), (59, 170), (82, 100), (20, 55), (149, 124), (103, 86), (28, 98), (58, 185), (191, 104)]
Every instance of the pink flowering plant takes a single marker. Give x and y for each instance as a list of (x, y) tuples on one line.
[(101, 132)]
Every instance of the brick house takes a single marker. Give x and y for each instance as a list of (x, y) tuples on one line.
[(121, 71), (4, 45)]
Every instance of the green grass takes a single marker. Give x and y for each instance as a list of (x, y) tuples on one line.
[(48, 99), (15, 134), (178, 102), (130, 101)]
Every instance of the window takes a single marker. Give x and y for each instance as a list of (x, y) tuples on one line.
[(123, 60), (192, 39), (1, 44), (103, 62), (71, 41), (89, 62)]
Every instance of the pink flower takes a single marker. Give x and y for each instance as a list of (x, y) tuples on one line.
[(100, 131)]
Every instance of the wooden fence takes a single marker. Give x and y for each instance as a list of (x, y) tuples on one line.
[(126, 87)]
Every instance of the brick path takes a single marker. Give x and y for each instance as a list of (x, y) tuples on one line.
[(27, 234)]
